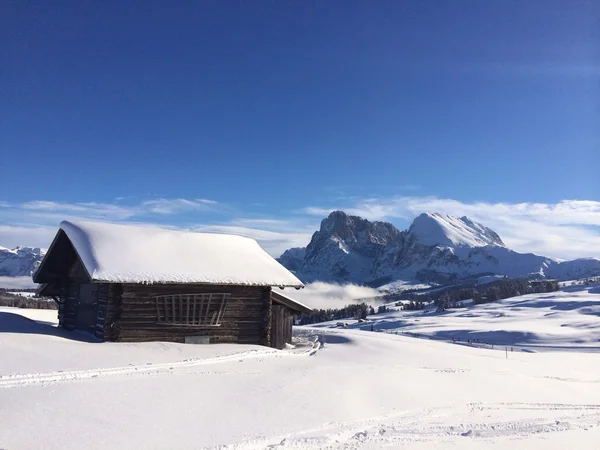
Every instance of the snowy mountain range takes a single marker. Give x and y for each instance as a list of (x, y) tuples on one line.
[(20, 261), (437, 248)]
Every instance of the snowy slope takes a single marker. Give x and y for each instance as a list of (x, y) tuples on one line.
[(360, 390), (445, 230), (20, 261), (437, 248), (565, 319)]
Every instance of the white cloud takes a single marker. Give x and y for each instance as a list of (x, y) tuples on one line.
[(32, 236), (34, 223), (17, 283), (52, 211), (176, 205), (567, 229), (321, 295), (274, 242), (90, 210)]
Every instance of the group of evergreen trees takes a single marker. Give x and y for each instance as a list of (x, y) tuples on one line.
[(17, 301), (498, 290), (411, 306)]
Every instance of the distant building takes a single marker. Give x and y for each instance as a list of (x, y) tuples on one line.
[(138, 283)]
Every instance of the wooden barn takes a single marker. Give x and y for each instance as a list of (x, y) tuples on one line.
[(136, 283)]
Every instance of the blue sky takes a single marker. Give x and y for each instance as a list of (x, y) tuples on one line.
[(260, 117)]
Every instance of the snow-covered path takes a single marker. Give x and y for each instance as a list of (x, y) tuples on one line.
[(360, 390)]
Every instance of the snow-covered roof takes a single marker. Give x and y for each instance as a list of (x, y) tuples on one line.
[(120, 253), (289, 302)]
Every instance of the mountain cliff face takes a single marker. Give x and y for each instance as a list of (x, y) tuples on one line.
[(20, 261), (436, 248)]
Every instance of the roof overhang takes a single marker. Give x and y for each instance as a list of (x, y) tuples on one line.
[(288, 302)]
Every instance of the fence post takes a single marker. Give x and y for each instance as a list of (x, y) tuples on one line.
[(506, 352)]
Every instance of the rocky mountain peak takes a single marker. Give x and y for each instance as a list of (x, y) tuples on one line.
[(436, 248), (354, 233), (20, 261)]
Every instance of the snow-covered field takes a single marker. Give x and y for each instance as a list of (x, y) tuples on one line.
[(569, 318), (353, 389)]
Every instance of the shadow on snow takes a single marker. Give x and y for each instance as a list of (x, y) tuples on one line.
[(15, 323)]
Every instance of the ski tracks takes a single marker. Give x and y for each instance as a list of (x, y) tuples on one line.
[(41, 379), (440, 424)]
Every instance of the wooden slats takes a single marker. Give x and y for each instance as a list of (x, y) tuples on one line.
[(243, 315), (208, 315), (187, 315)]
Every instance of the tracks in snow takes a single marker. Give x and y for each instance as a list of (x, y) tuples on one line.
[(37, 379), (449, 424)]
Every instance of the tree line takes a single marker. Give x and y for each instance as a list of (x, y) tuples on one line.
[(498, 290), (18, 301)]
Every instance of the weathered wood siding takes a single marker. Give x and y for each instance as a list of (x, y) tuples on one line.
[(281, 326), (131, 314), (68, 310), (69, 298), (102, 297), (111, 312), (69, 305)]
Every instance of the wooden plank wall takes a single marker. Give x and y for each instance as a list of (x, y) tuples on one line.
[(112, 311), (131, 315), (69, 309), (69, 299), (281, 326), (101, 310)]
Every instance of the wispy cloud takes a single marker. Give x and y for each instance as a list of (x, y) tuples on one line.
[(34, 223), (89, 210), (110, 211), (332, 295), (273, 241), (17, 283), (26, 234), (173, 206), (565, 229)]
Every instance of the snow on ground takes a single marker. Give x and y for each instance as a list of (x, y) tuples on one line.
[(567, 318), (351, 390)]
